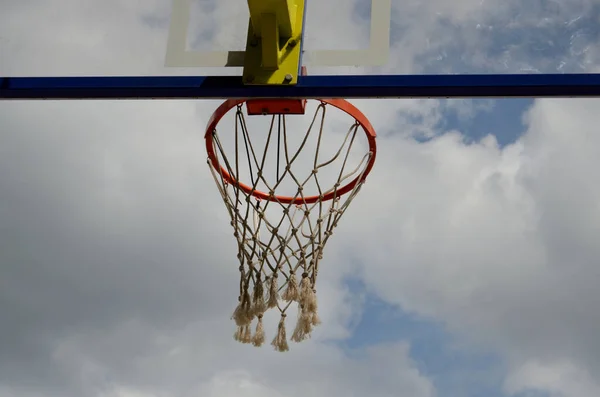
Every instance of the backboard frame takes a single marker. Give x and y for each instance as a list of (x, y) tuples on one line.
[(376, 54)]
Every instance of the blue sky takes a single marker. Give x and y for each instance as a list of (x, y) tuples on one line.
[(454, 368), (454, 371)]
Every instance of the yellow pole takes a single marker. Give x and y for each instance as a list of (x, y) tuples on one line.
[(274, 42)]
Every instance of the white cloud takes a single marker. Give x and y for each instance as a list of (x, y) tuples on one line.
[(498, 243), (561, 379), (126, 291)]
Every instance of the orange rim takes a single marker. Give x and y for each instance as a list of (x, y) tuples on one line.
[(341, 104)]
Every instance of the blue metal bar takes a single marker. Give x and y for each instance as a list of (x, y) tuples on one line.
[(219, 87)]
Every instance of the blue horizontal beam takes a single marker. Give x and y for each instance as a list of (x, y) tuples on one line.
[(369, 86)]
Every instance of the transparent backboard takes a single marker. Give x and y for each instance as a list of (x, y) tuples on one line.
[(201, 37)]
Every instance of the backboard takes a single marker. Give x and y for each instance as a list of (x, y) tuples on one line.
[(169, 37), (174, 37), (341, 38)]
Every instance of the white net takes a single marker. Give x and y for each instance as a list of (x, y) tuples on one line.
[(281, 238)]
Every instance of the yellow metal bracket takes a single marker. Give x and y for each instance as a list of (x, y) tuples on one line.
[(273, 47)]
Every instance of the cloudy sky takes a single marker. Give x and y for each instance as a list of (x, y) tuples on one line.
[(467, 266)]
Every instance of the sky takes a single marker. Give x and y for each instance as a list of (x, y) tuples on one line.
[(466, 267)]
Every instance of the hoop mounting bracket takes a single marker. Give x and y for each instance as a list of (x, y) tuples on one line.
[(274, 43)]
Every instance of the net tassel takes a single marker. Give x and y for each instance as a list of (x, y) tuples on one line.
[(239, 333), (315, 320), (280, 341), (242, 314), (259, 335), (291, 292), (243, 334), (307, 317), (308, 297), (247, 335), (303, 326), (258, 298), (273, 292)]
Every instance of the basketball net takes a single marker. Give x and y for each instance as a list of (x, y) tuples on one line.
[(280, 239)]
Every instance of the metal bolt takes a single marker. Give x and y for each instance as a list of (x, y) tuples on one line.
[(292, 43), (288, 77)]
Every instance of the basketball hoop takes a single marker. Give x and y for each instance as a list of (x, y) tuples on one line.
[(282, 236)]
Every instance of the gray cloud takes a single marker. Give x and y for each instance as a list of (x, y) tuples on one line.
[(117, 263)]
